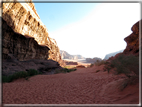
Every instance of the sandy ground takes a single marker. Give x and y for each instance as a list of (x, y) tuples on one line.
[(83, 86)]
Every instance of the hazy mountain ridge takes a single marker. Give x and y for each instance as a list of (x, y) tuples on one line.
[(65, 55), (112, 54)]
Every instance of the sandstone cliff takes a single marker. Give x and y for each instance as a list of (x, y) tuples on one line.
[(22, 47), (24, 35), (133, 40)]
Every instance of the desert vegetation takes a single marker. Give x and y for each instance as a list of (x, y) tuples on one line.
[(124, 64), (98, 63), (20, 74), (127, 64), (31, 72)]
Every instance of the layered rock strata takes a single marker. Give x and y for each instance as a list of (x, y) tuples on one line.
[(23, 19), (21, 47)]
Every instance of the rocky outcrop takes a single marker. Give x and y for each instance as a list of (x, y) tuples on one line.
[(93, 60), (71, 63), (80, 66), (66, 55), (12, 65), (23, 19), (133, 40)]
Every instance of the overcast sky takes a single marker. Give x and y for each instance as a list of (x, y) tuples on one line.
[(89, 29)]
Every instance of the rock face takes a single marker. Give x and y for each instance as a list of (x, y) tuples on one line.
[(133, 40), (66, 55), (28, 32), (22, 47), (12, 65)]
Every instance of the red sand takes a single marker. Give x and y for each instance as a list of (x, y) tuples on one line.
[(83, 86)]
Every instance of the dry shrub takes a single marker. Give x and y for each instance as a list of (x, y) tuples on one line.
[(126, 64), (20, 74), (98, 63)]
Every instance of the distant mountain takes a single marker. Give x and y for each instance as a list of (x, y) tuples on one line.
[(93, 60), (65, 55), (112, 54)]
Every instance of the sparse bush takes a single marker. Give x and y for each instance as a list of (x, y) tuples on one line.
[(21, 74), (91, 65), (16, 75), (127, 64), (32, 72), (7, 78), (98, 63), (107, 67), (70, 70)]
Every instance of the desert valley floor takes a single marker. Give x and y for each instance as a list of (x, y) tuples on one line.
[(83, 86)]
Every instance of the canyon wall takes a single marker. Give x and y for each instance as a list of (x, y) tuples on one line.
[(133, 40), (24, 35), (22, 47)]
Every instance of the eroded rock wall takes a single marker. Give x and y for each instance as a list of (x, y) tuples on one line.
[(23, 48), (133, 40), (23, 19)]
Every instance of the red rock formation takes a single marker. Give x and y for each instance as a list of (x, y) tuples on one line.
[(71, 63), (24, 20), (133, 40)]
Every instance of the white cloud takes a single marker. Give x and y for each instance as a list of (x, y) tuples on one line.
[(101, 32)]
